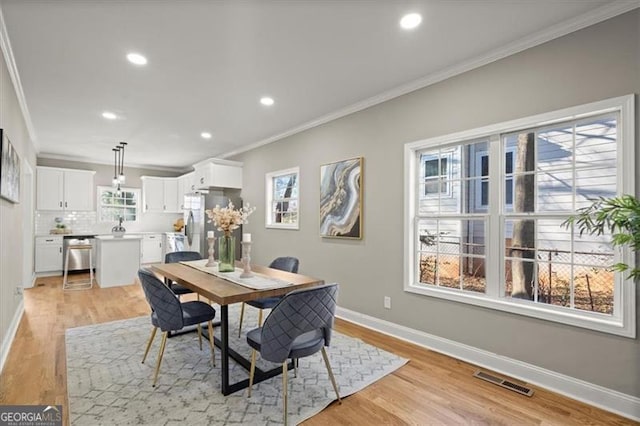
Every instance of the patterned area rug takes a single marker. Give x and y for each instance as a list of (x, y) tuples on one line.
[(108, 384)]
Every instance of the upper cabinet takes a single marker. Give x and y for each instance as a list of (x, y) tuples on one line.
[(185, 186), (218, 174), (160, 195), (64, 189)]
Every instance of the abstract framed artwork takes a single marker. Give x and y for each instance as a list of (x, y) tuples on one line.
[(341, 199), (9, 170)]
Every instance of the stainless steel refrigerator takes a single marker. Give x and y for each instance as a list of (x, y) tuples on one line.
[(196, 220)]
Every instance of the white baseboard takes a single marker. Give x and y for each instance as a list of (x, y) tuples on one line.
[(589, 393), (11, 333)]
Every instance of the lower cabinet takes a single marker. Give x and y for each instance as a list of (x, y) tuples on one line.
[(151, 248), (48, 254)]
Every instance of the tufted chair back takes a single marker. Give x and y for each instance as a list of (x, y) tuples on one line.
[(298, 312), (167, 310), (289, 264)]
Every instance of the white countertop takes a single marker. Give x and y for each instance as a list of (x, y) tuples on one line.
[(124, 237), (82, 234)]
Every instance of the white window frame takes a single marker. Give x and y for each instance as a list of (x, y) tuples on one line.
[(478, 164), (623, 322), (99, 206), (269, 219), (439, 178)]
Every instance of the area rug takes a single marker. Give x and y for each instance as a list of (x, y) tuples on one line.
[(108, 384)]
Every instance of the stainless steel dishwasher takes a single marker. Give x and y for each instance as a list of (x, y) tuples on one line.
[(79, 259)]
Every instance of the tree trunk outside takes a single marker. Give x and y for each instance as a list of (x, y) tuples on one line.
[(524, 231)]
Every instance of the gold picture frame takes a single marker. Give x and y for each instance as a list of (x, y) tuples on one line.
[(9, 170), (341, 186)]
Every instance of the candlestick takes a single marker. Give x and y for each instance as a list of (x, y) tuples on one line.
[(209, 234), (246, 238), (246, 259), (211, 241)]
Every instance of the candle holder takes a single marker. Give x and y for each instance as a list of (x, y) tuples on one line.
[(246, 260), (211, 261)]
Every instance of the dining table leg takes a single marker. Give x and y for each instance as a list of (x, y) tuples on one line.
[(224, 337)]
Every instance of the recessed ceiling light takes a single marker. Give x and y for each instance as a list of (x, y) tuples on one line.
[(410, 21), (109, 115), (205, 135), (136, 58), (266, 100)]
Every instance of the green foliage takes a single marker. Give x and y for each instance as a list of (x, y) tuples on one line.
[(618, 215)]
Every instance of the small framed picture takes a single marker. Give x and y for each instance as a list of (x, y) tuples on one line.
[(9, 170)]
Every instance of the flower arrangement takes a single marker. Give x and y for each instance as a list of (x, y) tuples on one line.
[(226, 219)]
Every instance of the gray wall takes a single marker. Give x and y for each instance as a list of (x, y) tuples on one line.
[(598, 62), (11, 215)]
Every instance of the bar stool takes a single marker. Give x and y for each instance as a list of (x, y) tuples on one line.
[(79, 284)]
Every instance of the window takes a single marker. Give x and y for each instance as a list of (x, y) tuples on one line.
[(482, 164), (495, 237), (113, 204), (436, 170), (282, 199)]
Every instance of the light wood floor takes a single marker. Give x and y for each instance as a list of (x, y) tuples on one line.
[(430, 389)]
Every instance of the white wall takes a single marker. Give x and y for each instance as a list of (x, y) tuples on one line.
[(11, 219)]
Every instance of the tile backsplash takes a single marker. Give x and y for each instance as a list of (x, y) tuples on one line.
[(86, 222)]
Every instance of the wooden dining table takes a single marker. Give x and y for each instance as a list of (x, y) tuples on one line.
[(224, 292)]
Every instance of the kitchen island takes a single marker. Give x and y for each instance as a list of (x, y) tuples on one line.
[(117, 259)]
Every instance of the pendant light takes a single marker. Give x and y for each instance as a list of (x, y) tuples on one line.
[(121, 176)]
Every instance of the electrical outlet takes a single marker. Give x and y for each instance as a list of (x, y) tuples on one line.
[(387, 302)]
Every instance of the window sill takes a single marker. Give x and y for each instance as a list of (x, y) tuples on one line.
[(293, 227), (589, 320)]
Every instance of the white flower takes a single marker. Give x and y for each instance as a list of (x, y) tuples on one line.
[(226, 219)]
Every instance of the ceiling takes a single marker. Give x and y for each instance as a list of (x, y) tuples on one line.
[(209, 63)]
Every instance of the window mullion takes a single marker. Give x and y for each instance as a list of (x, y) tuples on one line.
[(493, 222)]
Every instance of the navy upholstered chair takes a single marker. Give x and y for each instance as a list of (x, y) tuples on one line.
[(175, 257), (286, 263), (169, 314), (298, 326)]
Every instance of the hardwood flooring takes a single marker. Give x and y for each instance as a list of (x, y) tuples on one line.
[(432, 389)]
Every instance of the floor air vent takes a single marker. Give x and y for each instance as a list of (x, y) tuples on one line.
[(523, 390)]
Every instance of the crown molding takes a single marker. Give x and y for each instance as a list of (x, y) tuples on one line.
[(110, 163), (5, 46), (610, 10)]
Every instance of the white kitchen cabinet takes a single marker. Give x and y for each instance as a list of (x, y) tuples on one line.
[(153, 194), (48, 254), (171, 196), (151, 248), (64, 189), (218, 174), (185, 186), (160, 194)]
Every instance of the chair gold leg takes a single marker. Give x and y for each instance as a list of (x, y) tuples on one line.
[(199, 335), (162, 345), (252, 371), (241, 317), (153, 336), (260, 318), (213, 355), (333, 379), (284, 390)]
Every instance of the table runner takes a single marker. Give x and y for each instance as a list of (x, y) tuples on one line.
[(257, 282)]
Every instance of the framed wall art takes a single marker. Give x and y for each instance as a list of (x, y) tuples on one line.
[(9, 170), (341, 199)]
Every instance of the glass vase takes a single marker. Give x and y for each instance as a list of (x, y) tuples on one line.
[(227, 253)]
